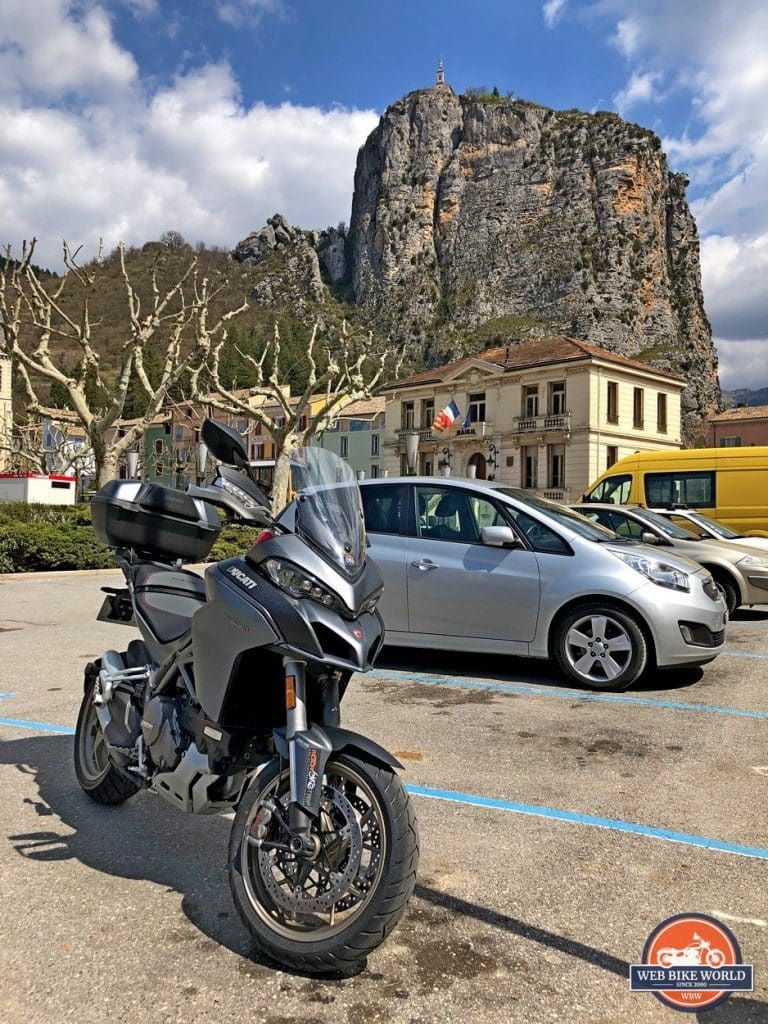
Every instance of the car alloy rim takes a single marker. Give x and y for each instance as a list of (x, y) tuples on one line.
[(598, 648)]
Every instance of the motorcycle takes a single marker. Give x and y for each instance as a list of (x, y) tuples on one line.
[(231, 699), (698, 952)]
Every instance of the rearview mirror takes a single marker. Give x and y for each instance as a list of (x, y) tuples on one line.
[(224, 443), (499, 537), (649, 538)]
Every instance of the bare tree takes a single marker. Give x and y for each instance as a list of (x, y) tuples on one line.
[(38, 446), (352, 371), (177, 320)]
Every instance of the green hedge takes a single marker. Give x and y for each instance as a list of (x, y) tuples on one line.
[(38, 538)]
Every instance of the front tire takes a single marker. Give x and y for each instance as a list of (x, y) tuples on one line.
[(97, 775), (328, 914), (601, 647)]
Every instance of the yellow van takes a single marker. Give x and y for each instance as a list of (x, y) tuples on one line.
[(731, 484)]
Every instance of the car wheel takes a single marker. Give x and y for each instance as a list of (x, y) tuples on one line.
[(600, 647), (730, 593)]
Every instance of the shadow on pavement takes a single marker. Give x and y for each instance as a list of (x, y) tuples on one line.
[(518, 670), (147, 839)]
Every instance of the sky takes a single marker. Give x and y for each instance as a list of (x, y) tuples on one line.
[(122, 119)]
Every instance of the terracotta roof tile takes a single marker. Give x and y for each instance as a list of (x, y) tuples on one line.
[(365, 407), (558, 349), (742, 412)]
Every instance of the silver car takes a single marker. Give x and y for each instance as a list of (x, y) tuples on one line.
[(469, 565), (699, 525), (740, 569)]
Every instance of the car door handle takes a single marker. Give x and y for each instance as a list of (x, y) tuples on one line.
[(425, 564)]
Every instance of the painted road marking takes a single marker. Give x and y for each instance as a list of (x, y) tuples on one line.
[(612, 698), (757, 921), (553, 813), (21, 723), (6, 696), (742, 654)]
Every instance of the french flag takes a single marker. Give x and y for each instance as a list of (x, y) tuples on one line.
[(446, 417)]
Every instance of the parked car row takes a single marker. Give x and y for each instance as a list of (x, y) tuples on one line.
[(474, 566)]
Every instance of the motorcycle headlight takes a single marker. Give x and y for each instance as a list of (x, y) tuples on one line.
[(654, 570), (753, 562), (294, 581)]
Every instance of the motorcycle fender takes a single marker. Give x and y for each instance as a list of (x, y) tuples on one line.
[(345, 739)]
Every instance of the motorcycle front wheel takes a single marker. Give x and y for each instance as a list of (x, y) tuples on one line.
[(325, 914)]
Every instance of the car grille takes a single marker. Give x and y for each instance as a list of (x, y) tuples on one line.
[(718, 638)]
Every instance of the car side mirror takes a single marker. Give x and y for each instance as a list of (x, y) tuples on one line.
[(499, 537), (650, 538)]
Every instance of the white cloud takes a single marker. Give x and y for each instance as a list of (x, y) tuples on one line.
[(641, 88), (553, 11), (249, 12), (70, 54), (712, 54), (128, 163), (742, 363)]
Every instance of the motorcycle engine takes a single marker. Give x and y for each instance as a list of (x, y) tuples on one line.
[(162, 732)]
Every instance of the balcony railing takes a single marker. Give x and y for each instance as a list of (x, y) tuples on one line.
[(424, 434), (538, 424)]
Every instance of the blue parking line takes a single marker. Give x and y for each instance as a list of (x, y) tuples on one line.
[(554, 814), (612, 698), (6, 696), (22, 723), (743, 654)]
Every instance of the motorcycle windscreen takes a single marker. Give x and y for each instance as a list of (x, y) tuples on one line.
[(329, 510)]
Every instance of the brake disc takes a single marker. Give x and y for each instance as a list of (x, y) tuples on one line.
[(293, 898)]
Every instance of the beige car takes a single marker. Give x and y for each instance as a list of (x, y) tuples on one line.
[(739, 569)]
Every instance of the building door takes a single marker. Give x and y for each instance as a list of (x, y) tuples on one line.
[(478, 461)]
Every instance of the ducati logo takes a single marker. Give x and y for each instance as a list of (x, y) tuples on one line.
[(242, 577)]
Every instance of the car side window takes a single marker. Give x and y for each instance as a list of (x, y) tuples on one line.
[(445, 514), (624, 526), (385, 508), (539, 536)]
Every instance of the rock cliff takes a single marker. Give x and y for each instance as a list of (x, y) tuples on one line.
[(482, 220)]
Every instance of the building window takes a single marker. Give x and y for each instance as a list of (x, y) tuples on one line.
[(257, 451), (612, 455), (158, 469), (661, 413), (557, 398), (613, 402), (374, 472), (477, 407), (531, 400), (344, 446), (427, 465), (556, 465), (730, 442), (374, 444), (427, 414), (178, 433), (638, 408), (303, 421), (406, 413), (158, 446), (530, 466), (241, 426)]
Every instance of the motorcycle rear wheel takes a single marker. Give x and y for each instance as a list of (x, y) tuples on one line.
[(326, 915), (97, 775)]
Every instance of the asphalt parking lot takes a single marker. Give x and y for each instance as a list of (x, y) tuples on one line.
[(558, 828)]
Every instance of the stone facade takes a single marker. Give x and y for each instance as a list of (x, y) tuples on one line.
[(548, 416)]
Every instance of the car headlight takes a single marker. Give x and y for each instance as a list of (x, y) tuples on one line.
[(753, 562), (294, 581), (654, 570)]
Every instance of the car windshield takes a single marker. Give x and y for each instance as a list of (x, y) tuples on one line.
[(662, 523), (712, 526), (329, 512), (564, 516)]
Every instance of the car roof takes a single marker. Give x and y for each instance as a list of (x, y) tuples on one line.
[(446, 481)]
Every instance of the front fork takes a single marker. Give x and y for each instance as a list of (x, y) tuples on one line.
[(308, 751)]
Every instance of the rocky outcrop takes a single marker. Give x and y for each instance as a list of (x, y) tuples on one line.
[(476, 221)]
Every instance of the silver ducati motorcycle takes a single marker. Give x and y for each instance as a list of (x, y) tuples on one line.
[(231, 699)]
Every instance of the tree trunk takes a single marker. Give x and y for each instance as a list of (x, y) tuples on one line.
[(281, 483)]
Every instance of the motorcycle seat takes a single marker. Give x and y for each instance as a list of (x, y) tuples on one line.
[(167, 599)]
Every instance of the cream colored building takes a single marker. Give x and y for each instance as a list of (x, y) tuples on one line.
[(548, 415), (6, 414)]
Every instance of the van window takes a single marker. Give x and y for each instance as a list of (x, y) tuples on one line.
[(614, 489), (695, 489)]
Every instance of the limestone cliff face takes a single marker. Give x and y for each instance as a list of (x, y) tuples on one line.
[(478, 221)]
